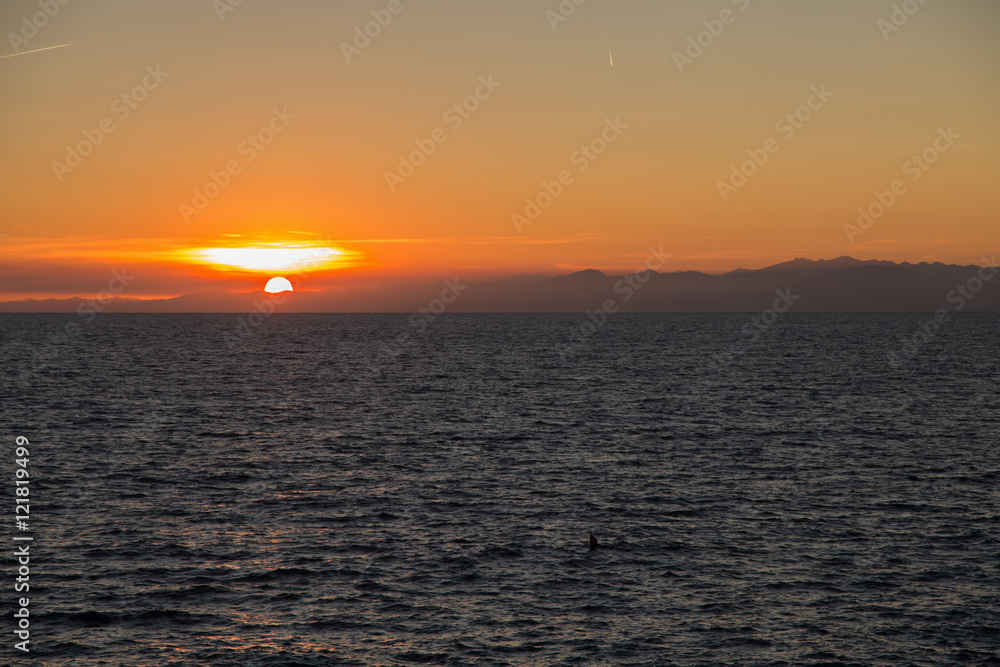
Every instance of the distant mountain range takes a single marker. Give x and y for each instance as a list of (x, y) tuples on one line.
[(837, 285)]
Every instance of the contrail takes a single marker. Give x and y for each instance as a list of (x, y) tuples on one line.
[(610, 57), (24, 53)]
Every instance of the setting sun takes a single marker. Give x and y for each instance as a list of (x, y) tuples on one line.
[(276, 285)]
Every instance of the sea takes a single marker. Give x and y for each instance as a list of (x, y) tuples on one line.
[(338, 490)]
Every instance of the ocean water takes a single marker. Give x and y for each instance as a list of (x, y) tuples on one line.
[(376, 490)]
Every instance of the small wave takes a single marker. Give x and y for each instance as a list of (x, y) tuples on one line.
[(500, 552), (418, 658), (97, 619), (277, 575)]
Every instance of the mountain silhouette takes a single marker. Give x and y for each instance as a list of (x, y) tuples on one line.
[(843, 284)]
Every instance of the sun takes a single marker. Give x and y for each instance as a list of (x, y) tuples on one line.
[(277, 285)]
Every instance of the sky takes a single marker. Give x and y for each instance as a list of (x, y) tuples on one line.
[(207, 145)]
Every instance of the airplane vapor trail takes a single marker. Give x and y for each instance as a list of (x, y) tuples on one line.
[(24, 53)]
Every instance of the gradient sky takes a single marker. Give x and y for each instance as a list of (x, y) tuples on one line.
[(322, 180)]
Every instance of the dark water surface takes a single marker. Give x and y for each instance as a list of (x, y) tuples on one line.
[(319, 491)]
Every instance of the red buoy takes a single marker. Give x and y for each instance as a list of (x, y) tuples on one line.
[(593, 542)]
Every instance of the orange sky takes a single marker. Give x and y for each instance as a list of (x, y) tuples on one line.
[(300, 130)]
